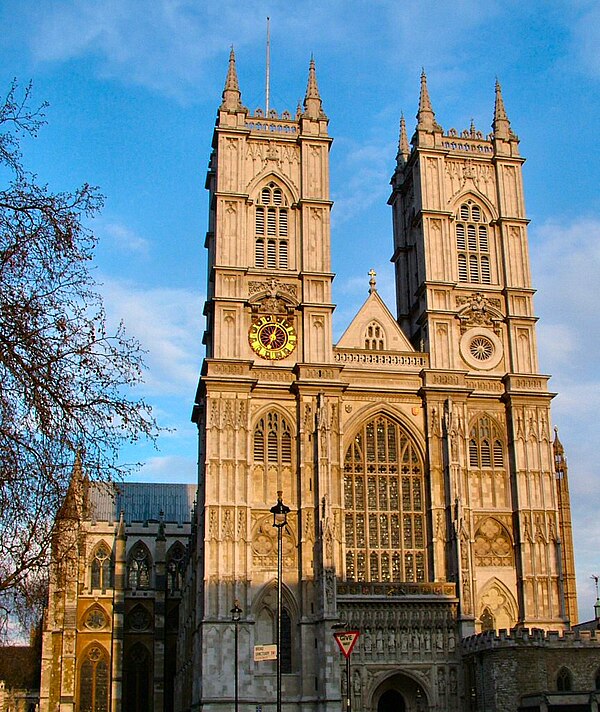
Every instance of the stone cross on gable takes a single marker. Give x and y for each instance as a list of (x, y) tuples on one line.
[(372, 282)]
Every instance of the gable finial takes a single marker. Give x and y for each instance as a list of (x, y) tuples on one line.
[(372, 281)]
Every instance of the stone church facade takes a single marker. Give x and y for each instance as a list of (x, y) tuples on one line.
[(428, 493)]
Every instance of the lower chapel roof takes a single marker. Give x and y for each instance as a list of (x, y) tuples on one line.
[(142, 502)]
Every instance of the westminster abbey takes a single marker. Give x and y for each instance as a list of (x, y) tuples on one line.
[(428, 490)]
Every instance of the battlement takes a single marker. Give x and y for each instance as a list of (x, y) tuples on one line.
[(534, 637)]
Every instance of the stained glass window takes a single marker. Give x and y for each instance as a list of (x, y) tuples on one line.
[(385, 515), (175, 567), (101, 575), (94, 681), (139, 567)]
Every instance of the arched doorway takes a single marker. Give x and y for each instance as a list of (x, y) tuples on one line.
[(391, 701), (399, 692)]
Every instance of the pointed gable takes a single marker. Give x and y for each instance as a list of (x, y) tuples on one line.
[(362, 332)]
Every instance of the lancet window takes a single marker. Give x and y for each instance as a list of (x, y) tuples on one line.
[(271, 229), (487, 621), (267, 631), (472, 244), (101, 568), (93, 681), (175, 565), (272, 440), (384, 498), (564, 680), (486, 447), (137, 679), (139, 567), (374, 337)]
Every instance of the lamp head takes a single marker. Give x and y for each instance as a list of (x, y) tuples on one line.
[(279, 512)]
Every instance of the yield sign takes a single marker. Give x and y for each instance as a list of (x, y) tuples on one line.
[(346, 641)]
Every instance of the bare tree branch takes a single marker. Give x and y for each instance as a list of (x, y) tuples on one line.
[(65, 382)]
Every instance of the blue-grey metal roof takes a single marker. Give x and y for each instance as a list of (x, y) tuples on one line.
[(142, 502)]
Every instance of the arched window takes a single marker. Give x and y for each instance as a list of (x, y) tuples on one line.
[(266, 630), (564, 680), (101, 568), (94, 679), (271, 229), (272, 440), (384, 497), (472, 244), (374, 337), (139, 567), (175, 566), (137, 679), (487, 621), (486, 446)]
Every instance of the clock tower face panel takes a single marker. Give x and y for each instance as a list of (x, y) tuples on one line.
[(272, 337)]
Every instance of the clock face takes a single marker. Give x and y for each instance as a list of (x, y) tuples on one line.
[(272, 337)]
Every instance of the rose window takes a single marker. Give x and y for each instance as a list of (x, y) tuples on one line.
[(481, 348)]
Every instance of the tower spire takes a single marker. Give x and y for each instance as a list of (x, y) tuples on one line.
[(500, 124), (232, 97), (403, 147), (73, 503), (313, 106), (425, 115)]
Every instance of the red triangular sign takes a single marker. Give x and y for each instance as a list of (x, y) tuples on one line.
[(346, 641)]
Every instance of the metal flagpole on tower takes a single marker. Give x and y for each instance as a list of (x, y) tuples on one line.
[(268, 77)]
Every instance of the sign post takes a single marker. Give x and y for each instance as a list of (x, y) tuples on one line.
[(346, 641)]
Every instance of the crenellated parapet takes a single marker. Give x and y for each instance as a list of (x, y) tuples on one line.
[(527, 637)]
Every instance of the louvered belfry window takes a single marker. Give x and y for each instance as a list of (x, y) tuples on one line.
[(271, 229), (472, 244), (384, 499), (486, 447), (272, 441)]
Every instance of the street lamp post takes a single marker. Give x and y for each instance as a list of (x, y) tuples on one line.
[(279, 512), (236, 613)]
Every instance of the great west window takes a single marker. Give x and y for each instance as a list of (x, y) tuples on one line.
[(384, 498)]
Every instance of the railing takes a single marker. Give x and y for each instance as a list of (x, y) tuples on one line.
[(381, 359), (361, 588)]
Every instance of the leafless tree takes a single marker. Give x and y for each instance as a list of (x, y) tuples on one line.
[(65, 381)]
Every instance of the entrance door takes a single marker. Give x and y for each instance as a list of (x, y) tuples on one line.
[(391, 701)]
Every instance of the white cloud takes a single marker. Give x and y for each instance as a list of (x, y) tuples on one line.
[(122, 238), (168, 45), (586, 38), (169, 325), (565, 258), (169, 468)]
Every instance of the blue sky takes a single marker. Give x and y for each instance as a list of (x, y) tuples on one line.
[(134, 85)]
